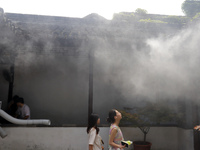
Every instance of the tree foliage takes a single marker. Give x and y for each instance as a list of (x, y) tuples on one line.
[(191, 7), (197, 17), (140, 11)]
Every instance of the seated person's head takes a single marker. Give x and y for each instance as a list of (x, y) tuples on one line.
[(19, 102)]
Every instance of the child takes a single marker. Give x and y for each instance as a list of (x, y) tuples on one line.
[(115, 134), (94, 139)]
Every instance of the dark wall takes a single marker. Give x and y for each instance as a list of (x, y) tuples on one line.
[(54, 86), (3, 86)]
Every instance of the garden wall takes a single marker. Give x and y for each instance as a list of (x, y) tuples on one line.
[(75, 138)]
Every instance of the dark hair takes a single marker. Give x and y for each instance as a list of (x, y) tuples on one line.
[(93, 123), (111, 115), (15, 98), (19, 100)]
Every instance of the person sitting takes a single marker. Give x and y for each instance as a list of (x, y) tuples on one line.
[(23, 111)]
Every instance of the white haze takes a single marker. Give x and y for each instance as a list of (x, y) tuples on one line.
[(78, 8), (165, 67), (168, 68)]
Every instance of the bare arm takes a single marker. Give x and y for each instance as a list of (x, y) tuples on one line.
[(111, 140), (197, 127), (90, 147), (26, 117)]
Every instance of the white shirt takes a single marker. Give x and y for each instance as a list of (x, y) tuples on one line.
[(23, 111), (94, 139)]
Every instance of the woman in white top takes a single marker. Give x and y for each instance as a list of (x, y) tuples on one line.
[(94, 139)]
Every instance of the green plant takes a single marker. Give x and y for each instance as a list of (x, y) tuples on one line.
[(152, 114), (138, 121), (151, 21), (197, 16)]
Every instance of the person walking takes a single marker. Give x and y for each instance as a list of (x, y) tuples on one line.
[(94, 139)]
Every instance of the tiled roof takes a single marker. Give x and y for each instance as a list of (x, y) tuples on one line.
[(8, 37), (51, 26), (12, 26), (66, 33), (62, 31)]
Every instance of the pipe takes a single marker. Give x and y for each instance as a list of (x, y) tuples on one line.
[(3, 134), (23, 122)]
